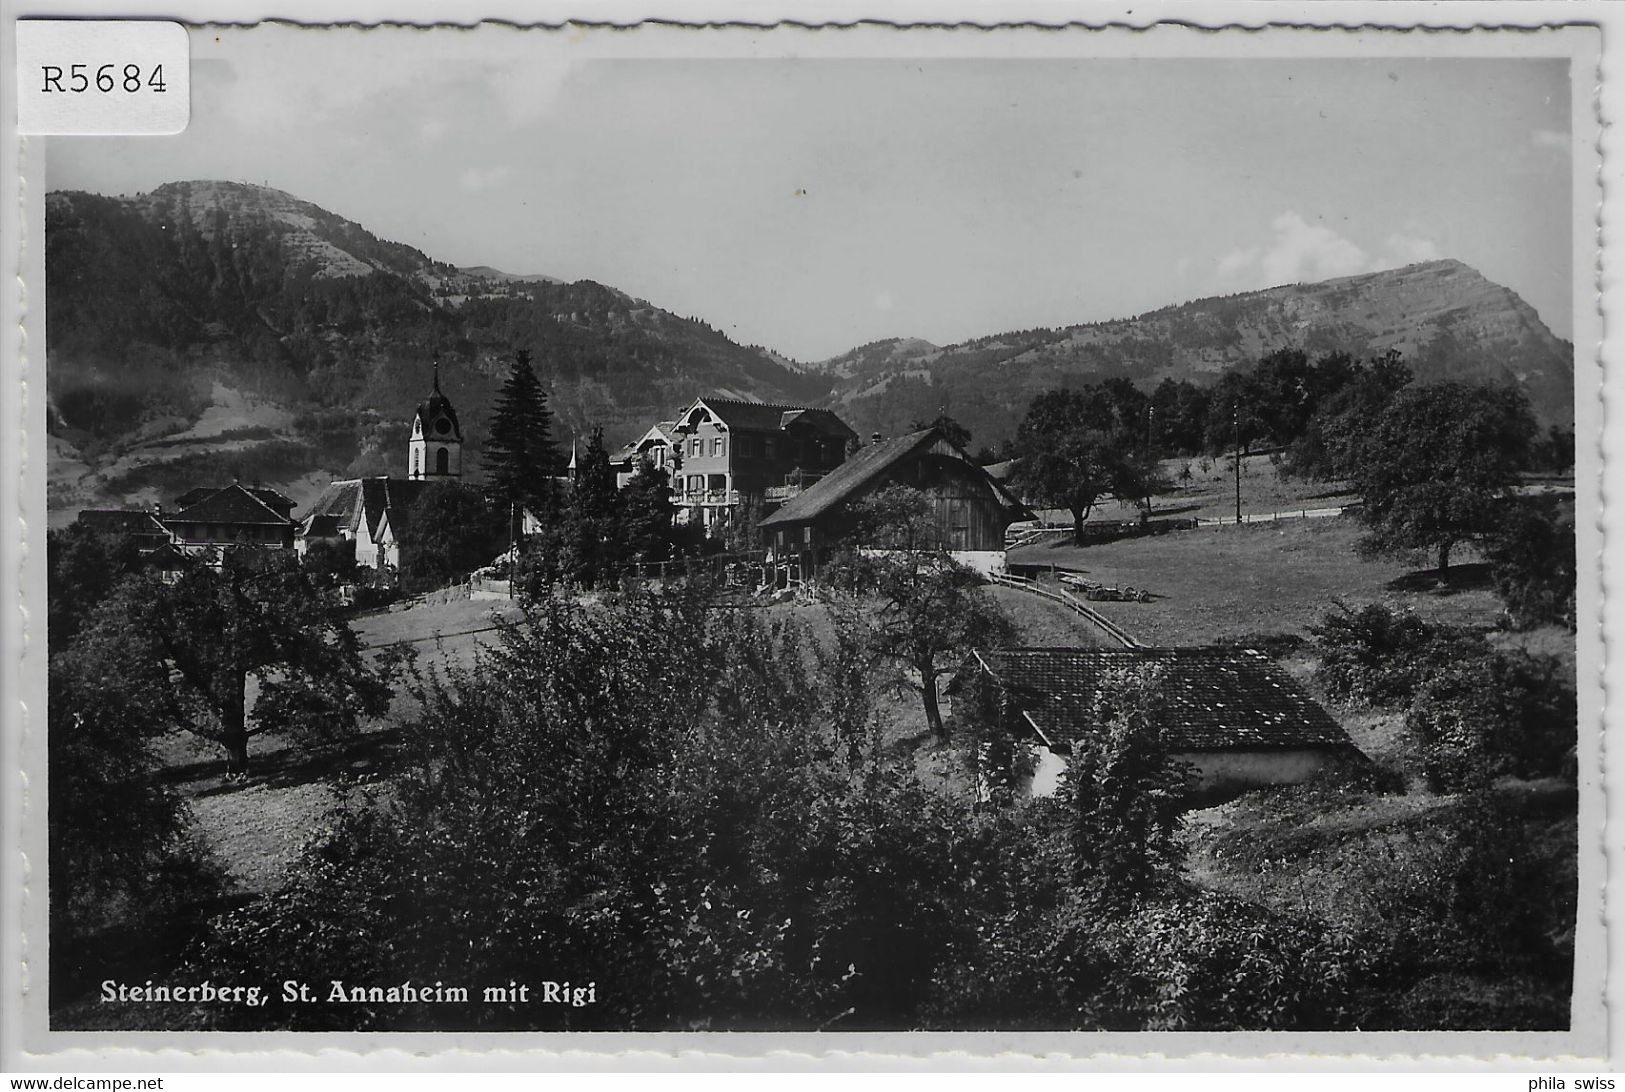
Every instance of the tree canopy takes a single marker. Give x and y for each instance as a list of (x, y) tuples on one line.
[(1437, 466), (1077, 446), (920, 607), (451, 530), (182, 655)]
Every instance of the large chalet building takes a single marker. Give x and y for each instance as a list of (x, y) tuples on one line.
[(727, 453)]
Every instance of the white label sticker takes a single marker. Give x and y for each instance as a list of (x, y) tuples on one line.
[(102, 77)]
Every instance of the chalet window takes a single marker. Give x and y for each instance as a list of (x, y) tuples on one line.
[(806, 534), (716, 446), (772, 448), (696, 446)]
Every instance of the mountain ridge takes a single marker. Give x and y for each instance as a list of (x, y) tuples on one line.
[(303, 340), (1448, 321)]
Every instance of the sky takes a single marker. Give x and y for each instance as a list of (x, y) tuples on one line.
[(814, 204)]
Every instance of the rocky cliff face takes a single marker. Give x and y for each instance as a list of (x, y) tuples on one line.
[(1447, 319)]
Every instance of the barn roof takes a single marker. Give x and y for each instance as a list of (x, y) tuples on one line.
[(233, 504), (868, 466), (1217, 699)]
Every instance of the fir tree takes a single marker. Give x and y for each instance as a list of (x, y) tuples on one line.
[(648, 512), (520, 457), (593, 545)]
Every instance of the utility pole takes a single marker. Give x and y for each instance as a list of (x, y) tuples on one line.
[(1235, 420), (1150, 453)]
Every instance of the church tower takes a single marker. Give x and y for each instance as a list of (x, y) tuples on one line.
[(435, 452)]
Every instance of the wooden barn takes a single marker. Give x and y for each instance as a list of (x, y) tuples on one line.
[(972, 509), (1232, 713)]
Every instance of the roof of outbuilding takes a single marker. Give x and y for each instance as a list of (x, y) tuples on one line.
[(233, 504), (1217, 699)]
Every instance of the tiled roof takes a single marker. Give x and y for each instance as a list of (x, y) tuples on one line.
[(340, 500), (270, 497), (351, 501), (321, 525), (737, 413), (1217, 699), (233, 504), (122, 521)]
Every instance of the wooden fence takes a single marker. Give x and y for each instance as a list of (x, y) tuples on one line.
[(1106, 625)]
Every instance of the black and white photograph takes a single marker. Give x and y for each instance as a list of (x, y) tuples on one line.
[(805, 531)]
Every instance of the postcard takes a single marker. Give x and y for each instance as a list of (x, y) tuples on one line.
[(1080, 541)]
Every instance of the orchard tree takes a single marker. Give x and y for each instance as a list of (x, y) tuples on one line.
[(1437, 467), (118, 834), (1326, 447), (183, 654), (1073, 450), (520, 456), (924, 611)]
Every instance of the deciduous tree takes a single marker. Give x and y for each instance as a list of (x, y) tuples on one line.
[(1073, 450), (923, 609), (184, 654), (1438, 465)]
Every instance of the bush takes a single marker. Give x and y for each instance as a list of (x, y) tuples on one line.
[(1380, 657), (1205, 961), (1494, 715), (1532, 563), (1476, 893)]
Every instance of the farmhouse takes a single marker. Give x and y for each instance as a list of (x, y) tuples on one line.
[(213, 519), (1233, 714), (972, 510)]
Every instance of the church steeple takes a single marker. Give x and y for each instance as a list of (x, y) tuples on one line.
[(436, 448)]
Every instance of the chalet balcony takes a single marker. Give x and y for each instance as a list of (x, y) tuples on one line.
[(707, 496), (795, 483)]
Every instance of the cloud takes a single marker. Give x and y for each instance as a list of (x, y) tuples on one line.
[(1300, 251)]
